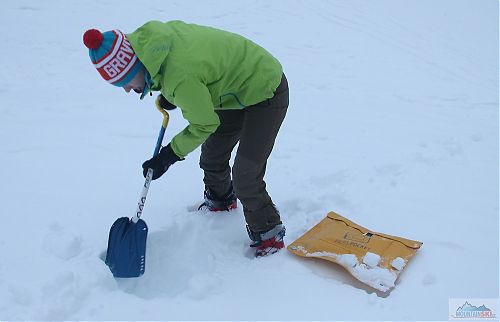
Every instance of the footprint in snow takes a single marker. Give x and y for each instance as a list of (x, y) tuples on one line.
[(428, 280)]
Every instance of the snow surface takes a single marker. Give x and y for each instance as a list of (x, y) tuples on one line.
[(393, 123)]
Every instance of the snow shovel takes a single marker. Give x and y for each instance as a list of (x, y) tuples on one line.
[(126, 254)]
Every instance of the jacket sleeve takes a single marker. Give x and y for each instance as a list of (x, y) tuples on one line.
[(195, 102)]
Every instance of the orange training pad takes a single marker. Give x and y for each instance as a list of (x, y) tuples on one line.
[(375, 259)]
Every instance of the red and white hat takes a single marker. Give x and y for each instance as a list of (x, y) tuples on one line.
[(112, 56)]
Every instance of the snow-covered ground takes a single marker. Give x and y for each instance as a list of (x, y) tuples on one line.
[(393, 123)]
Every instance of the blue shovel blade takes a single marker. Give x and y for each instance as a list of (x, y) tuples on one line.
[(126, 254)]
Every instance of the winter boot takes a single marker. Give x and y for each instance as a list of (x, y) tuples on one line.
[(268, 242), (212, 203)]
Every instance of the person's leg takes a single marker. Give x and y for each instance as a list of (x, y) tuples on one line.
[(260, 128), (216, 152)]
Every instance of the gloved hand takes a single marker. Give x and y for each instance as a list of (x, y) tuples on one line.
[(160, 162), (166, 105)]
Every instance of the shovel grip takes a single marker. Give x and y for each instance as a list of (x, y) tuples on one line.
[(166, 117)]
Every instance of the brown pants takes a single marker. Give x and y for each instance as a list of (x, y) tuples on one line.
[(256, 128)]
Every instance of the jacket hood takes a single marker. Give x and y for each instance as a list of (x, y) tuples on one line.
[(151, 43)]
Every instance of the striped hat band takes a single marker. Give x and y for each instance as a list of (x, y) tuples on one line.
[(112, 56)]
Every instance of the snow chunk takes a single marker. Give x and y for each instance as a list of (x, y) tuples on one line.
[(371, 259), (398, 263), (348, 259), (382, 279)]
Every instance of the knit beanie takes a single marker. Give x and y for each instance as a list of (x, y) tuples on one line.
[(112, 56)]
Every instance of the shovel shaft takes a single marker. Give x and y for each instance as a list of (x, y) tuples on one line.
[(149, 175), (142, 200)]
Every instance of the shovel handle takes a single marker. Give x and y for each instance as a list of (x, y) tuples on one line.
[(164, 124), (149, 175)]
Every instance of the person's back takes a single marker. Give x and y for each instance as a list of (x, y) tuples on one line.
[(236, 71)]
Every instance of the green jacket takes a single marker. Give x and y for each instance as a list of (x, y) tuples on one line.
[(202, 69)]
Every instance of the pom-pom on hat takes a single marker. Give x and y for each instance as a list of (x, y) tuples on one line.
[(112, 56)]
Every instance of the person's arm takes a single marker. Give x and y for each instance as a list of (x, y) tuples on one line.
[(193, 98)]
